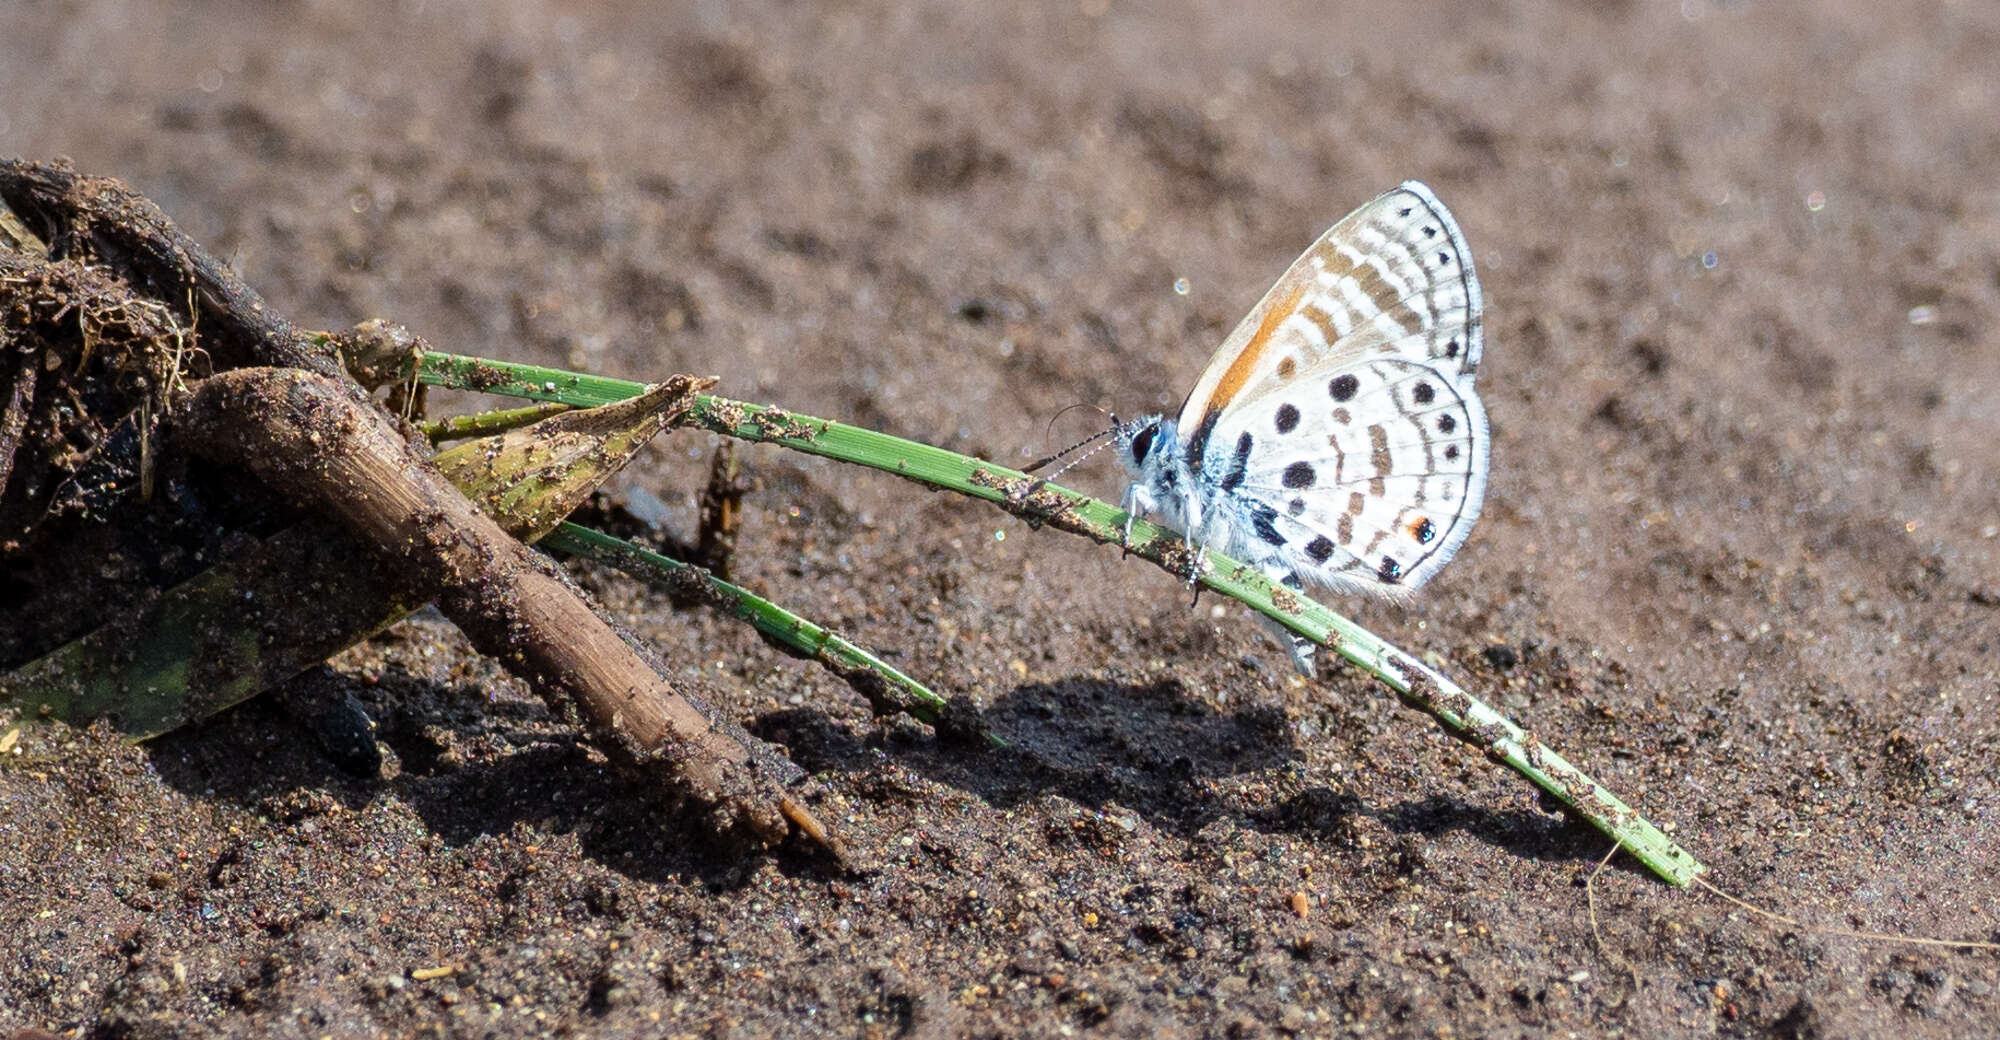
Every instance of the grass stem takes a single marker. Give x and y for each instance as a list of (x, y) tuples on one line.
[(1042, 504)]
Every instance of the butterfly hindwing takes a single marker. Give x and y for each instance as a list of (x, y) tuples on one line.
[(1369, 475)]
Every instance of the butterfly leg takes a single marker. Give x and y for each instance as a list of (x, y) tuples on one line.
[(1137, 501), (1197, 541), (1304, 651), (1196, 569)]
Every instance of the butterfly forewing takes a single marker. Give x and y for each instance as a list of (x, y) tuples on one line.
[(1401, 265), (1391, 278)]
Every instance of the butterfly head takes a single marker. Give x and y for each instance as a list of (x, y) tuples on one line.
[(1144, 442), (1162, 486), (1150, 448)]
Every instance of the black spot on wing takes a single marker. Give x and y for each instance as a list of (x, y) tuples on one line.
[(1264, 520), (1198, 443), (1238, 465)]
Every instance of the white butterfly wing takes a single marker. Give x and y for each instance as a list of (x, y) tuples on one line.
[(1391, 277), (1377, 491), (1341, 411)]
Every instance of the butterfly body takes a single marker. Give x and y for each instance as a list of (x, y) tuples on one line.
[(1335, 440)]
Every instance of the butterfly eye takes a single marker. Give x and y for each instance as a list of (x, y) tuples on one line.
[(1142, 442)]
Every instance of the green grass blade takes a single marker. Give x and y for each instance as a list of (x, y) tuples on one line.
[(1460, 713), (527, 382), (485, 424), (894, 692)]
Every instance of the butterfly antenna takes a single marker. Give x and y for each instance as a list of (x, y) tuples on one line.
[(1039, 463), (1071, 464), (1059, 456)]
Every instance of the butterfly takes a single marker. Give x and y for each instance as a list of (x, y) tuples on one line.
[(1335, 440)]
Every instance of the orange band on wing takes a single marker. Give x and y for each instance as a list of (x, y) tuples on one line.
[(1239, 370)]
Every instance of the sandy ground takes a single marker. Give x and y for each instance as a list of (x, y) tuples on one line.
[(1739, 556)]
